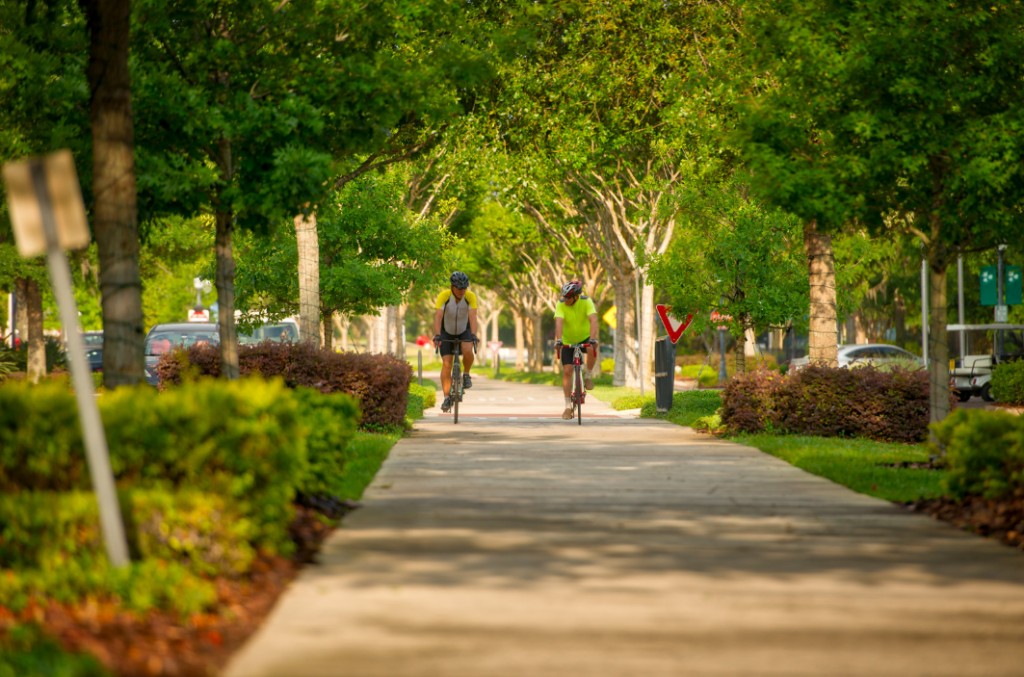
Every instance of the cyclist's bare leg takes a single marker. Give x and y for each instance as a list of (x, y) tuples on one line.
[(567, 379), (467, 356), (446, 374), (591, 358)]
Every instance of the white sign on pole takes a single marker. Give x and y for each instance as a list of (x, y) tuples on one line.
[(199, 315), (1002, 313), (48, 216), (65, 199)]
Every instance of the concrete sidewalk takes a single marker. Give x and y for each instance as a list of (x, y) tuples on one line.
[(629, 547)]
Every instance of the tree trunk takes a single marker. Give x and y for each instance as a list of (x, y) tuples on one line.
[(901, 321), (520, 348), (36, 340), (823, 336), (625, 324), (740, 349), (328, 330), (938, 346), (21, 312), (647, 329), (341, 322), (308, 241), (226, 295), (397, 343), (115, 215)]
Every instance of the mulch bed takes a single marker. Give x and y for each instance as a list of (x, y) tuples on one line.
[(1003, 519), (161, 643)]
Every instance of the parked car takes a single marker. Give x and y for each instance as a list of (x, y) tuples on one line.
[(94, 349), (285, 330), (971, 375), (163, 338), (870, 353)]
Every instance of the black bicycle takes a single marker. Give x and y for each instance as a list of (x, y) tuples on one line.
[(456, 390), (579, 393)]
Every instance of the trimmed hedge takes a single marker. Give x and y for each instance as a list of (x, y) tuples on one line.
[(1008, 382), (379, 382), (245, 440), (831, 402), (427, 394), (140, 586), (201, 531), (330, 421), (984, 452)]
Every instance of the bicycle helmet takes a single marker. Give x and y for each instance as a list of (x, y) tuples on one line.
[(460, 280), (571, 290)]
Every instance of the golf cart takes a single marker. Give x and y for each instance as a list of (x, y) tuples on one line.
[(972, 374)]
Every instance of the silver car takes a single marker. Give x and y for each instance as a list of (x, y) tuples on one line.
[(869, 353)]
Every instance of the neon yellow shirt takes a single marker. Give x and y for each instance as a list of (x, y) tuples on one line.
[(456, 313), (576, 319)]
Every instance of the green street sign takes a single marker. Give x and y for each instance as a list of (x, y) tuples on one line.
[(1011, 288), (1012, 291)]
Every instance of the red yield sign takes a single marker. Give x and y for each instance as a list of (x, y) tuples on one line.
[(674, 327)]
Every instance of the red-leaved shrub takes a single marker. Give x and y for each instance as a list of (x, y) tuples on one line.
[(380, 382), (831, 402)]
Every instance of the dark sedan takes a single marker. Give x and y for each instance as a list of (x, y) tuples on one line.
[(163, 338), (94, 349)]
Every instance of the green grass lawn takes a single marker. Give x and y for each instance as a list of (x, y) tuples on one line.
[(854, 463), (366, 452), (427, 383), (687, 406)]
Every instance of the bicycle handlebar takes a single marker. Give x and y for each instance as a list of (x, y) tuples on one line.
[(437, 348)]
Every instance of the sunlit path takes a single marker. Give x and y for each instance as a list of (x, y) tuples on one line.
[(512, 545)]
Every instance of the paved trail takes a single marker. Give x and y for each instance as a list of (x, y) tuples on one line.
[(511, 545)]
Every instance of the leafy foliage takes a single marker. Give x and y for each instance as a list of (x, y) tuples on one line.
[(737, 256), (242, 440), (26, 652), (330, 420), (827, 401), (427, 394), (984, 453), (379, 382), (203, 532), (1008, 382), (372, 252)]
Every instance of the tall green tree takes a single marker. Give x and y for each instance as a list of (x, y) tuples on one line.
[(905, 116), (115, 212), (373, 252), (603, 118), (254, 107), (737, 256)]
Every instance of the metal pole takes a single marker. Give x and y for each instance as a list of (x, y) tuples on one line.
[(960, 303), (999, 295), (88, 413), (723, 372), (639, 335), (924, 309), (419, 366)]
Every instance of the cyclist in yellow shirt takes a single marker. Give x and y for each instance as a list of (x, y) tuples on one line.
[(575, 322), (455, 317)]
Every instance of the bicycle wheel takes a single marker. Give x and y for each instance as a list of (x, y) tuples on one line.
[(456, 391), (579, 395)]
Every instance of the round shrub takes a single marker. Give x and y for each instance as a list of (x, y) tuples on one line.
[(1008, 382), (984, 452)]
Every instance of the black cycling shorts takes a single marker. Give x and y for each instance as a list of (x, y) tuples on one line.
[(567, 354), (449, 348)]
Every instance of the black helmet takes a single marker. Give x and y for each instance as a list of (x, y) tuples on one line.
[(460, 280), (572, 289)]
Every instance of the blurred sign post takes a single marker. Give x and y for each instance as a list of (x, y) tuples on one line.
[(48, 216)]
